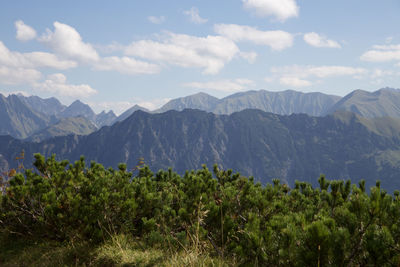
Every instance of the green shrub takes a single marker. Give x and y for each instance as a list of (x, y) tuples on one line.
[(206, 214)]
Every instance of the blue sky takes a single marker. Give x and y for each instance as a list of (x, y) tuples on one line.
[(114, 54)]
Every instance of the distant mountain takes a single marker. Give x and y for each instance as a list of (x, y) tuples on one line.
[(105, 118), (200, 101), (129, 112), (49, 106), (381, 103), (18, 119), (66, 126), (253, 142), (77, 108), (22, 116), (283, 103)]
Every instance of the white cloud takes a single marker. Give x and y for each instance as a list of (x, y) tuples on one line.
[(316, 40), (109, 48), (32, 60), (66, 41), (24, 32), (156, 20), (397, 65), (377, 73), (249, 56), (210, 53), (194, 15), (382, 53), (277, 40), (318, 71), (294, 81), (222, 85), (126, 65), (386, 47), (280, 9), (14, 76), (43, 59), (298, 76), (57, 84)]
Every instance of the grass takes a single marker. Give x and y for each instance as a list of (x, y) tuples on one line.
[(120, 250)]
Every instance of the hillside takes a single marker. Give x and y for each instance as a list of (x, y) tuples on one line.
[(252, 142)]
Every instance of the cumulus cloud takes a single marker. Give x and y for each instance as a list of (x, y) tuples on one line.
[(32, 60), (24, 32), (382, 53), (15, 76), (276, 40), (57, 84), (126, 65), (210, 53), (280, 9), (298, 76), (194, 16), (222, 85), (316, 40), (156, 20), (66, 41), (43, 59)]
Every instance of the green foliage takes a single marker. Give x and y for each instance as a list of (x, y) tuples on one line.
[(217, 213)]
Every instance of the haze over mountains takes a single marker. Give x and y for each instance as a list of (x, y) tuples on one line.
[(357, 136), (23, 116)]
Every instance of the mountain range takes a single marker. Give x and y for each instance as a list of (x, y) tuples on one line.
[(384, 102), (287, 135), (23, 116), (253, 142), (283, 103)]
